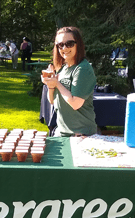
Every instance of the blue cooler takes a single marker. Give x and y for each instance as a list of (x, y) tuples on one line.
[(129, 135)]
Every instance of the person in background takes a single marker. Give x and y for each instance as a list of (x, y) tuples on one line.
[(30, 44), (14, 53), (71, 88), (25, 48)]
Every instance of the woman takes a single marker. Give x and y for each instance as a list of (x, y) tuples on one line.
[(25, 48), (14, 53), (71, 90)]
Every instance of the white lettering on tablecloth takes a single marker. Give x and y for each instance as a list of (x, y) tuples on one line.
[(113, 212), (54, 212), (69, 208), (21, 210), (4, 210), (87, 212)]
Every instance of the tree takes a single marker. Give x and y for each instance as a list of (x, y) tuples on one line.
[(105, 25), (21, 18), (124, 36), (91, 17)]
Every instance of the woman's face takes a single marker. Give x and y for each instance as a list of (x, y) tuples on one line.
[(68, 53)]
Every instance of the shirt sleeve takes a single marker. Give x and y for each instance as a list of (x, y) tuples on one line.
[(12, 48), (83, 81)]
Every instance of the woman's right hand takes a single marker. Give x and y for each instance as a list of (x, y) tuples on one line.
[(50, 82)]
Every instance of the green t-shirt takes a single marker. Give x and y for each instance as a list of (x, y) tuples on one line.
[(80, 80)]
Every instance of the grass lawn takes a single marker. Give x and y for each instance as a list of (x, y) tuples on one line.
[(17, 108)]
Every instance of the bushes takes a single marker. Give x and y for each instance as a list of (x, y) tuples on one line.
[(107, 73), (119, 84), (34, 78)]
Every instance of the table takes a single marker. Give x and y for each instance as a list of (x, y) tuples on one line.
[(38, 64), (55, 184), (110, 109)]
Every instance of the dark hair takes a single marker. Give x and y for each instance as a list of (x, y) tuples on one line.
[(58, 61), (26, 39)]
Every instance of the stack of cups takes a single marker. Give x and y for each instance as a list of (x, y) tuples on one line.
[(129, 135)]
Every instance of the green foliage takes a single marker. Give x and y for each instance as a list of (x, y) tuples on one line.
[(34, 75), (105, 67), (105, 25), (119, 84), (26, 18), (34, 79), (49, 48)]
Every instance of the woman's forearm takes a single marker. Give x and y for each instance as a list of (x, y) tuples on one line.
[(73, 101), (50, 95)]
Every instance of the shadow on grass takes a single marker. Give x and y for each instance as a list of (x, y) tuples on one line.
[(14, 91), (18, 101), (9, 68), (14, 87)]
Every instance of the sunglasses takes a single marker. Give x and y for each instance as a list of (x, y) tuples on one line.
[(68, 44)]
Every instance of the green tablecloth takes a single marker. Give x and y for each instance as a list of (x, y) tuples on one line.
[(70, 192)]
